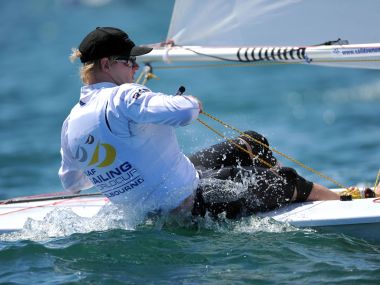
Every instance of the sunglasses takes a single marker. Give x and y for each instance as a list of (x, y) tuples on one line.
[(127, 61)]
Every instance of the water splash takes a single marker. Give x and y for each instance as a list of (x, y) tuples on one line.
[(64, 222), (248, 225)]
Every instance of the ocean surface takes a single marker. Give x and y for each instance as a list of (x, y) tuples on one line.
[(327, 118)]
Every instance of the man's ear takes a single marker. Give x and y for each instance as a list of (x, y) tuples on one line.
[(105, 64)]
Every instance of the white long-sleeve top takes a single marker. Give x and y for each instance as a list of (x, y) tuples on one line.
[(122, 140)]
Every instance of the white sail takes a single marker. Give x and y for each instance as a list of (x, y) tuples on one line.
[(273, 22), (325, 32)]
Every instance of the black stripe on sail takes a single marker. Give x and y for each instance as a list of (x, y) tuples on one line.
[(250, 54), (266, 54), (260, 55), (272, 54), (302, 53), (253, 54), (238, 54), (291, 53), (284, 54), (279, 54), (246, 55), (299, 53)]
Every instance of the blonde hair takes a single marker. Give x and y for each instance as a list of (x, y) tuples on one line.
[(87, 70)]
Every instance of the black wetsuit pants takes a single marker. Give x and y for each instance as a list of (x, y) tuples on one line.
[(240, 185)]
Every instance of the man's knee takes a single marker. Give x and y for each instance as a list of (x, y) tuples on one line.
[(302, 186)]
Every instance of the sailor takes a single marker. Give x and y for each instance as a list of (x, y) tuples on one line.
[(120, 137)]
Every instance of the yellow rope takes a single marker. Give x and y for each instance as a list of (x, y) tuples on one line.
[(377, 180), (147, 74), (271, 148), (234, 143), (140, 77)]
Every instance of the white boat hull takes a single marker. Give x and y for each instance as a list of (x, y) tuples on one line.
[(14, 215), (359, 217)]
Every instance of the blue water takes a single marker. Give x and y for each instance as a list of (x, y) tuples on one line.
[(327, 118)]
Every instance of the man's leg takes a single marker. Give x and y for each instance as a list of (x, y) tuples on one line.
[(242, 192), (319, 192)]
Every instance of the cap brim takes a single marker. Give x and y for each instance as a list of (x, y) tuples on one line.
[(140, 50)]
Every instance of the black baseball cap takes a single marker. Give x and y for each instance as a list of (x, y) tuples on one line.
[(108, 41)]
